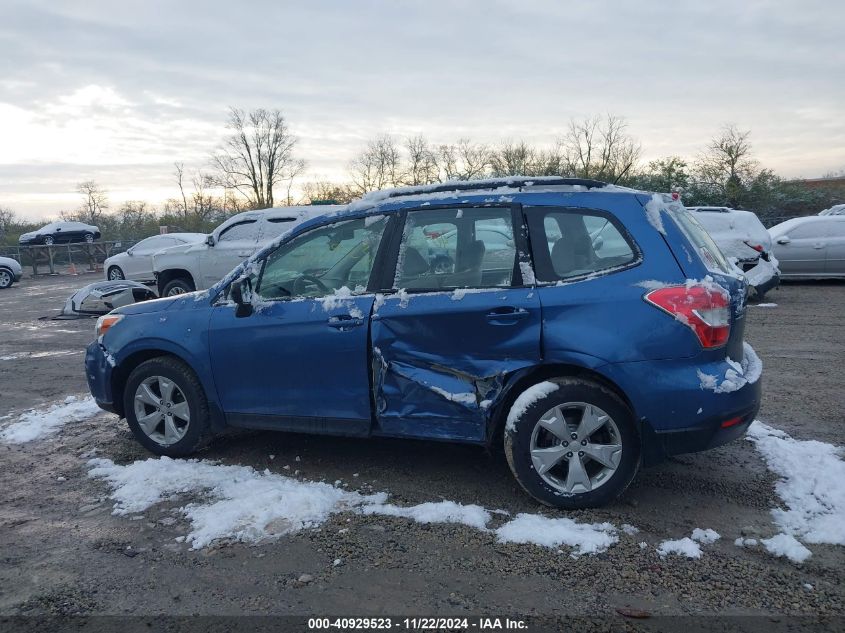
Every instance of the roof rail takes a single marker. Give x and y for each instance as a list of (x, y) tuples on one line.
[(495, 183)]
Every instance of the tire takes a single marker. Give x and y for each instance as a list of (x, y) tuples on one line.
[(7, 278), (178, 286), (49, 241), (115, 273), (574, 396), (89, 238), (185, 436), (754, 294)]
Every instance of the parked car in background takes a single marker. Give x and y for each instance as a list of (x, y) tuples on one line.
[(583, 366), (61, 233), (10, 272), (812, 247), (136, 263), (743, 238), (837, 209), (197, 266)]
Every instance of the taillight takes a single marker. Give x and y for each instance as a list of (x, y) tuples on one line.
[(756, 247), (703, 307)]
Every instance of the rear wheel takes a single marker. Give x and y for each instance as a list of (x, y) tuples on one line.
[(166, 407), (115, 273), (576, 447), (89, 237), (177, 286), (6, 278)]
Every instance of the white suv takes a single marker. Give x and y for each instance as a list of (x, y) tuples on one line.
[(199, 266)]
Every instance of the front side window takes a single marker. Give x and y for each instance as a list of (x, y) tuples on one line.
[(324, 259), (242, 231), (572, 243), (456, 248)]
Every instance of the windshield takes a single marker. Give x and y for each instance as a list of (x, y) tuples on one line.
[(710, 254)]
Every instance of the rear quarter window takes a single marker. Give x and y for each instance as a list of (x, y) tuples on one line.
[(708, 252)]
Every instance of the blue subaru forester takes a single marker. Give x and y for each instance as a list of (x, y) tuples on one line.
[(587, 328)]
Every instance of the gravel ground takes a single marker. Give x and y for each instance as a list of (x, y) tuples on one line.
[(63, 552)]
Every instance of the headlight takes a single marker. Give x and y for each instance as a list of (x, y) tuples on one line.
[(106, 322)]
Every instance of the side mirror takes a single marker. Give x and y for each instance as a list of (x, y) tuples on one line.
[(209, 240), (241, 293), (130, 252), (784, 240)]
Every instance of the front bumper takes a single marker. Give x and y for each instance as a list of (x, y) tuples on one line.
[(98, 373)]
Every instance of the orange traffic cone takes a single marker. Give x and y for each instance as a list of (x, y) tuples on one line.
[(73, 269)]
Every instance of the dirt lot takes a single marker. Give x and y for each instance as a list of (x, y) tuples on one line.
[(62, 551)]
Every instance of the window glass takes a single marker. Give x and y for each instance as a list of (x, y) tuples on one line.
[(322, 260), (704, 245), (274, 227), (242, 231), (456, 248), (808, 229), (571, 243)]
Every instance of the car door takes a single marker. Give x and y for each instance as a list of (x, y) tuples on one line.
[(834, 231), (138, 265), (453, 324), (236, 243), (802, 251), (300, 360)]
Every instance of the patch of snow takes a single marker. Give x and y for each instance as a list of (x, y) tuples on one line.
[(746, 372), (652, 210), (462, 398), (238, 502), (526, 399), (403, 298), (745, 542), (459, 294), (38, 423), (629, 529), (584, 538), (337, 299), (763, 305), (435, 512), (788, 546), (705, 537), (811, 475), (527, 274), (684, 547), (652, 284)]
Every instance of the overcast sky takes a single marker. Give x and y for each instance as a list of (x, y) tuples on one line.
[(117, 91)]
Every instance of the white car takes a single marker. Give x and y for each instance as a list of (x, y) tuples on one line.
[(136, 263), (812, 247), (742, 238), (10, 272), (837, 209), (199, 266)]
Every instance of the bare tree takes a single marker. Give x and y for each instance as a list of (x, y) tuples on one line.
[(180, 175), (293, 171), (599, 148), (463, 160), (422, 168), (325, 192), (256, 156), (726, 167), (95, 202), (378, 166)]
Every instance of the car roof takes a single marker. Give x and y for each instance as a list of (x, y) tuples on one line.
[(780, 229), (297, 212)]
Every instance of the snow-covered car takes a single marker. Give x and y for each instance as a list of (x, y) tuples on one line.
[(811, 248), (61, 233), (837, 209), (744, 240), (10, 271), (136, 263), (198, 266)]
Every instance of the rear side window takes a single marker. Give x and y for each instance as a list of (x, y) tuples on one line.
[(456, 248), (704, 245), (573, 243), (245, 231), (274, 227)]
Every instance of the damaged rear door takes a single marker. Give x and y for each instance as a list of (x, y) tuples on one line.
[(458, 319)]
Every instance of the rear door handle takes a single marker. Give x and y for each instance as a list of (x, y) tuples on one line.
[(506, 315), (344, 322)]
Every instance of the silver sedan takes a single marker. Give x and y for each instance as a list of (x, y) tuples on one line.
[(812, 247)]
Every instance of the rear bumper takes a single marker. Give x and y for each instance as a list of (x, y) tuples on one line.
[(677, 412), (98, 374)]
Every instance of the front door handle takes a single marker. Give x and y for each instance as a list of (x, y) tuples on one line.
[(817, 246), (344, 322), (506, 315)]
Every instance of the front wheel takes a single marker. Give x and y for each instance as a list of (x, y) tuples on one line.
[(6, 278), (89, 237), (572, 443), (166, 407), (115, 274), (49, 241)]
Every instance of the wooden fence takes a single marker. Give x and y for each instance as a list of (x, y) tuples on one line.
[(44, 260)]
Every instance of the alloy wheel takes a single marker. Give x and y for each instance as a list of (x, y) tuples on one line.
[(576, 447), (162, 412), (5, 279)]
